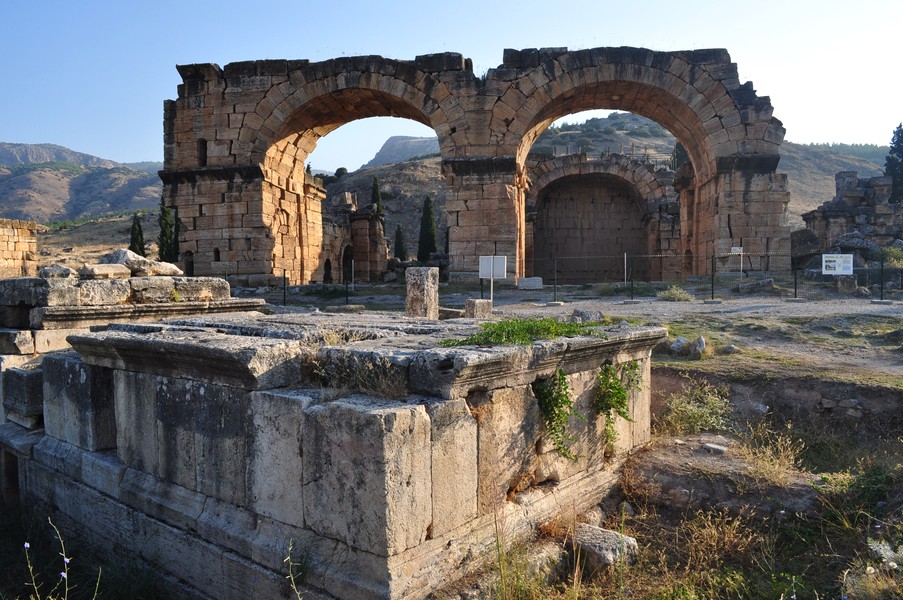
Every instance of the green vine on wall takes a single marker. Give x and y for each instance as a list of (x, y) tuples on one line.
[(613, 393), (557, 407)]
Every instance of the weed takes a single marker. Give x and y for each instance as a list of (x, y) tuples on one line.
[(557, 407), (772, 456), (297, 568), (374, 375), (675, 294), (701, 406), (521, 331), (612, 395)]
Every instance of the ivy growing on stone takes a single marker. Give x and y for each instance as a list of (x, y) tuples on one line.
[(557, 407), (613, 389)]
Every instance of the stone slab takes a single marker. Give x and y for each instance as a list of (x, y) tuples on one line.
[(111, 271), (75, 317), (16, 341), (529, 283), (78, 402)]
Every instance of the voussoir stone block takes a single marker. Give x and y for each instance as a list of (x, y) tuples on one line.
[(367, 473)]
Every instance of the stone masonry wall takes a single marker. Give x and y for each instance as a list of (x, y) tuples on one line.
[(18, 248)]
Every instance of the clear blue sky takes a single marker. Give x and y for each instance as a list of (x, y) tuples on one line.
[(92, 75)]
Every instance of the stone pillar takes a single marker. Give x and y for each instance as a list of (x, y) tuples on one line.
[(423, 293), (485, 211)]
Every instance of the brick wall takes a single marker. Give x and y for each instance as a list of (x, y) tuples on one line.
[(18, 248)]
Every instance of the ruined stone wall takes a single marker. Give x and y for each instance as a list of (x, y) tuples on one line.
[(860, 204), (263, 119), (18, 248)]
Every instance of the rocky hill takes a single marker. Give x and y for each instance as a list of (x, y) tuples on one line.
[(44, 183)]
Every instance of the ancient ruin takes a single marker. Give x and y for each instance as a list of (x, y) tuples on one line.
[(210, 446), (18, 248), (861, 205), (236, 140)]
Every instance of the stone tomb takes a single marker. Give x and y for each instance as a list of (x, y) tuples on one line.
[(206, 446)]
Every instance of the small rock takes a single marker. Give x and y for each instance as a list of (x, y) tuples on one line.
[(850, 403), (714, 448), (854, 413), (679, 346), (729, 349), (697, 349), (863, 292), (603, 547), (57, 271), (893, 337)]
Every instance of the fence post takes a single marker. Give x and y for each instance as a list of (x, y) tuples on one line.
[(284, 284), (555, 286), (795, 278), (882, 277)]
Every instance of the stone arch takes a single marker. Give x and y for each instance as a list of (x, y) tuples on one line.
[(633, 225)]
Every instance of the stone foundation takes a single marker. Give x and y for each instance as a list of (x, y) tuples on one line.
[(205, 446)]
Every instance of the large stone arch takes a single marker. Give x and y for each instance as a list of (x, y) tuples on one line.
[(646, 227), (236, 140)]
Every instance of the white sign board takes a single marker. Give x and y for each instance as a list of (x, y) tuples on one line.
[(837, 264), (736, 249), (493, 267)]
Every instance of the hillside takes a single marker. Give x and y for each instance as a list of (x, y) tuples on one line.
[(44, 183)]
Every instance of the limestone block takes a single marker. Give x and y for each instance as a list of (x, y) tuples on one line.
[(21, 290), (56, 270), (104, 271), (104, 293), (138, 265), (170, 503), (529, 283), (366, 465), (151, 290), (422, 292), (22, 394), (16, 341), (78, 402), (453, 437), (53, 339), (477, 309), (58, 292), (201, 289), (275, 465), (508, 422)]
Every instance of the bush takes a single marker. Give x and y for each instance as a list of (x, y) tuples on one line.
[(700, 407), (675, 294)]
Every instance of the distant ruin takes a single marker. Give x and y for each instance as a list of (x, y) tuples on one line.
[(860, 205), (236, 141), (18, 248)]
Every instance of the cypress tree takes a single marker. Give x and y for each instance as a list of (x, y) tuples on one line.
[(136, 243), (376, 197), (893, 165), (401, 252), (167, 243), (426, 245)]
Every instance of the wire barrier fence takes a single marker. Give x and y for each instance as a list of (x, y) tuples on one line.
[(720, 275)]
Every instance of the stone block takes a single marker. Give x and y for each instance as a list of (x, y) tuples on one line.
[(453, 440), (51, 340), (477, 309), (275, 465), (104, 272), (529, 283), (78, 402), (22, 394), (508, 422), (104, 292), (422, 299), (201, 289), (367, 473), (152, 290), (58, 292), (16, 341)]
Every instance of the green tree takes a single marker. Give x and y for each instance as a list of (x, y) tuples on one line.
[(376, 197), (426, 245), (167, 242), (401, 252), (340, 172), (893, 165), (136, 242)]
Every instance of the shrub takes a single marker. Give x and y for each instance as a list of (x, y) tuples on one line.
[(675, 294), (701, 406)]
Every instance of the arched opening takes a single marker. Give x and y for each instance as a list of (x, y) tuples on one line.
[(202, 152), (584, 225), (600, 198)]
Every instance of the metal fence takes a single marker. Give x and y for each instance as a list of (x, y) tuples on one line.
[(722, 275)]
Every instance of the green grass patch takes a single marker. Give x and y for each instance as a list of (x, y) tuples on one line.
[(522, 332)]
